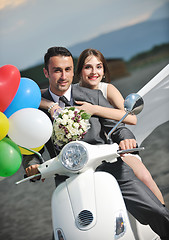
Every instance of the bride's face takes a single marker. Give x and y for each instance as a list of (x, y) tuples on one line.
[(92, 72)]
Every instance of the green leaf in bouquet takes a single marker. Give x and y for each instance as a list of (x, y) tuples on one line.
[(85, 115), (71, 108)]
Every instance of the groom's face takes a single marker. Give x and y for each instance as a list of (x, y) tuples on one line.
[(60, 74)]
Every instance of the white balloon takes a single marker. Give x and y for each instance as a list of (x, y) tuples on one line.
[(30, 128)]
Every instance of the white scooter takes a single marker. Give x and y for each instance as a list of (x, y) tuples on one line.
[(89, 205)]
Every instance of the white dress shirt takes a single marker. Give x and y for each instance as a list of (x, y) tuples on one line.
[(56, 97)]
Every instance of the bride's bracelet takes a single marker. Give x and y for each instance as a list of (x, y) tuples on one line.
[(49, 109)]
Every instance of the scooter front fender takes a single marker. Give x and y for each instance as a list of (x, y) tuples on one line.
[(90, 206)]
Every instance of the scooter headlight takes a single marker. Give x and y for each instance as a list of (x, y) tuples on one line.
[(74, 156)]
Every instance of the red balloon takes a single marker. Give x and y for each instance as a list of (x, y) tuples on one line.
[(9, 83)]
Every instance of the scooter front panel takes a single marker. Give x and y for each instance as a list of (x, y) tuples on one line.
[(110, 219)]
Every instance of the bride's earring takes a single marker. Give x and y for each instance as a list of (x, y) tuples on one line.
[(103, 78)]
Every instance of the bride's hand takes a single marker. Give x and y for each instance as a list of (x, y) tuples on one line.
[(87, 107)]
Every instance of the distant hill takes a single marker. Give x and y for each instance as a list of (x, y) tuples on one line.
[(155, 54), (161, 12), (128, 41)]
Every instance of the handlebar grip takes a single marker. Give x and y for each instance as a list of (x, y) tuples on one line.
[(130, 150)]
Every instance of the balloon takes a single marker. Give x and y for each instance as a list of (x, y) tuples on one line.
[(4, 125), (27, 96), (9, 83), (27, 152), (30, 128), (10, 157)]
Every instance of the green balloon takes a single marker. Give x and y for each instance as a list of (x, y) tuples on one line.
[(10, 157)]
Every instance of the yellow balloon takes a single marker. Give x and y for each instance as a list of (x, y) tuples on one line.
[(27, 152), (4, 125)]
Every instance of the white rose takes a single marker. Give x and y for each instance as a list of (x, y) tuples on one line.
[(70, 122), (60, 137), (84, 124), (71, 113), (76, 125), (65, 140), (56, 127), (58, 121), (70, 129), (69, 136), (64, 120), (80, 131), (65, 110), (76, 131), (65, 117)]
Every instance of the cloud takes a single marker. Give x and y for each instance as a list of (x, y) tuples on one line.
[(11, 3)]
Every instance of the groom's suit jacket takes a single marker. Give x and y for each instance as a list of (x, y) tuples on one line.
[(98, 125)]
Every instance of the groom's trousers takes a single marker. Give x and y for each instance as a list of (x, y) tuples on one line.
[(139, 199)]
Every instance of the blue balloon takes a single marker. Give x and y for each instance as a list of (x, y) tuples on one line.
[(27, 96)]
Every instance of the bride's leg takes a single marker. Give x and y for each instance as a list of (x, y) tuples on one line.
[(143, 174)]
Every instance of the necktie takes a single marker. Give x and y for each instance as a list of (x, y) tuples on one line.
[(65, 101)]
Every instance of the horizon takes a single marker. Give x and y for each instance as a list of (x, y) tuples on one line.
[(26, 36)]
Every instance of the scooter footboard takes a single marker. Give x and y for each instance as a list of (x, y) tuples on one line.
[(90, 206)]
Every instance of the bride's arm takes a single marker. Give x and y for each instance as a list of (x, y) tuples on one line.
[(115, 114), (116, 100)]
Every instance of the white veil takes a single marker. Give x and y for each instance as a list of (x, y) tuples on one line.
[(156, 105)]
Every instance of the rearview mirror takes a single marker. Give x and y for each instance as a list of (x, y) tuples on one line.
[(133, 103)]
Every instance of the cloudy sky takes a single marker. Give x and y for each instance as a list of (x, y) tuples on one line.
[(29, 27)]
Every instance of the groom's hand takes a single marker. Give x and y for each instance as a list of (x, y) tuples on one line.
[(32, 170), (127, 144)]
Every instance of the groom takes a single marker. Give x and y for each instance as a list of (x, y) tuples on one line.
[(140, 201)]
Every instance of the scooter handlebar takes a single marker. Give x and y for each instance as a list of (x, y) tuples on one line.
[(130, 150), (28, 178)]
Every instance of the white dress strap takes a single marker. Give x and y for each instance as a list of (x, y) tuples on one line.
[(103, 87)]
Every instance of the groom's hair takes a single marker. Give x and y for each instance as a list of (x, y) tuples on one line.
[(56, 51)]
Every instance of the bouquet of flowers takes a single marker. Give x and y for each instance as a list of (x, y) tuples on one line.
[(69, 124)]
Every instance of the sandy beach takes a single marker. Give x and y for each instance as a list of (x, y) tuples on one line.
[(25, 209)]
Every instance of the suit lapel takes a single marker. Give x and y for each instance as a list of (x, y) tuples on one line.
[(47, 95)]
